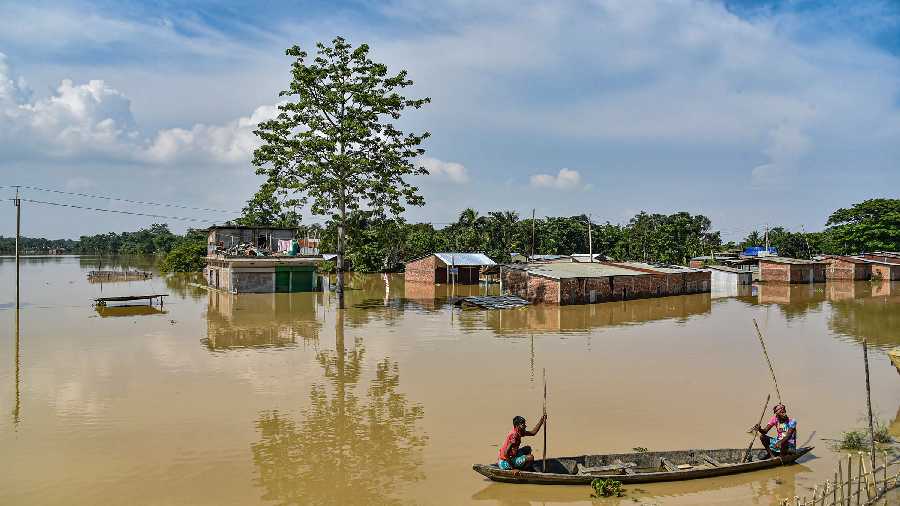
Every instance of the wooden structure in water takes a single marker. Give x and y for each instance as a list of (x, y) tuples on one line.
[(642, 467), (103, 301), (113, 276)]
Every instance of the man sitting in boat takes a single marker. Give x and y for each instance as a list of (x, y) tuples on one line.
[(513, 457), (786, 433)]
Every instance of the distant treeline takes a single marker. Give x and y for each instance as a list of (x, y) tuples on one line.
[(155, 240), (383, 245), (376, 244)]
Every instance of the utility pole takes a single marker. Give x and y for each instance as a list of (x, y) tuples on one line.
[(590, 242), (18, 203), (531, 259)]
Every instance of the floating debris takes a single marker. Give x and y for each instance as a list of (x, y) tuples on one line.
[(493, 301)]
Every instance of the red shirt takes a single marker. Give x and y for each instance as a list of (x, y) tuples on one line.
[(510, 445)]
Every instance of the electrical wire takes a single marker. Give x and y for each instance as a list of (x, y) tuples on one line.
[(181, 218), (107, 197)]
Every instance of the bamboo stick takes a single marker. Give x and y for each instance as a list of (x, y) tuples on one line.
[(865, 474), (884, 485), (815, 498), (755, 433), (762, 342), (834, 497), (849, 479), (840, 479), (859, 470), (544, 460), (869, 403)]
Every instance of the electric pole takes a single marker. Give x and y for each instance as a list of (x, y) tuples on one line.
[(532, 236), (18, 203), (590, 242)]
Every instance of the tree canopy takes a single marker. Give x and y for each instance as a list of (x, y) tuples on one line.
[(871, 225), (334, 146)]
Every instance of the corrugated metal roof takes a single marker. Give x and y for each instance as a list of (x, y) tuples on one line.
[(786, 260), (567, 270), (465, 259), (661, 268)]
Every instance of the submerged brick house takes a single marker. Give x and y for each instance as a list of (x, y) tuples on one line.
[(791, 270), (589, 283), (438, 268), (844, 267)]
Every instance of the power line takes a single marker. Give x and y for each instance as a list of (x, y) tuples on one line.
[(181, 218), (107, 197)]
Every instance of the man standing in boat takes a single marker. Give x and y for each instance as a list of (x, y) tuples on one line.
[(513, 457), (786, 433)]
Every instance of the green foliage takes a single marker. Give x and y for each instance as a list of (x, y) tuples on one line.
[(871, 225), (266, 208), (187, 256), (853, 440), (607, 488), (639, 449), (155, 240), (334, 145), (37, 245)]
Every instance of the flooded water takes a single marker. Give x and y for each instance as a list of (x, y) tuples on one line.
[(281, 399)]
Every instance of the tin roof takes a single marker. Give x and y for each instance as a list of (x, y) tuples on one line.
[(661, 268), (842, 258), (725, 268), (568, 270), (465, 259), (786, 260)]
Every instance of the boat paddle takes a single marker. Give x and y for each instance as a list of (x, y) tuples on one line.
[(544, 459), (753, 429), (762, 343)]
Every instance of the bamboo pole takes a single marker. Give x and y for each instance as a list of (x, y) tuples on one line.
[(544, 460), (869, 402), (755, 434), (884, 485), (862, 462), (834, 496), (762, 342), (840, 478), (859, 473), (849, 479)]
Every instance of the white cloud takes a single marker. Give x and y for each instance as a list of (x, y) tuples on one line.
[(566, 179), (232, 142), (787, 145), (448, 171)]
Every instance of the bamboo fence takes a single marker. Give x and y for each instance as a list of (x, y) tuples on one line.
[(865, 487)]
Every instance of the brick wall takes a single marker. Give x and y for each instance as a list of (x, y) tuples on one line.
[(423, 270), (886, 271), (771, 271), (842, 269)]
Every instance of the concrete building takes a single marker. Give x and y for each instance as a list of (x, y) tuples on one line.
[(844, 267), (589, 283), (255, 260), (705, 260), (791, 270), (728, 279), (459, 268)]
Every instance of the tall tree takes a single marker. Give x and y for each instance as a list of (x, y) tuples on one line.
[(870, 225), (334, 145)]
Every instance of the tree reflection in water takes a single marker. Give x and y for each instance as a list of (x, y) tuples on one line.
[(345, 449)]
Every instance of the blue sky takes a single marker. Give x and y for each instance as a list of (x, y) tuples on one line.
[(751, 113)]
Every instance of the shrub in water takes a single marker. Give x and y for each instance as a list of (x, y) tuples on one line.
[(607, 488)]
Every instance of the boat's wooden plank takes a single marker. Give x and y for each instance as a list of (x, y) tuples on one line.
[(709, 460), (615, 466), (628, 466), (668, 465)]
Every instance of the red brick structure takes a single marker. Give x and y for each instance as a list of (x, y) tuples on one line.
[(844, 267), (885, 271), (589, 283), (435, 268), (790, 270)]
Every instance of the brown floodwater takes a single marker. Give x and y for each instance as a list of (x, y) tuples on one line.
[(270, 399)]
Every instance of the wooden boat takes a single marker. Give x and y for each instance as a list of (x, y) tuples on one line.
[(644, 467)]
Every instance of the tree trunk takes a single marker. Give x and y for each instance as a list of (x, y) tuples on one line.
[(340, 259)]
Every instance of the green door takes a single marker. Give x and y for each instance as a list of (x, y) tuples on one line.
[(282, 280), (301, 281)]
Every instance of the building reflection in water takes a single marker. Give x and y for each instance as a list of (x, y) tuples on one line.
[(253, 320), (351, 445), (543, 318)]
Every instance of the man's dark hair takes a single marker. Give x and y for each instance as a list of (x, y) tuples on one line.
[(518, 420)]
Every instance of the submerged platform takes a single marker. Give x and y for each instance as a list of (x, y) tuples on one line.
[(102, 301)]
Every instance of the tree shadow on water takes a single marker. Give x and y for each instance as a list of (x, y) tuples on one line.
[(346, 447)]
